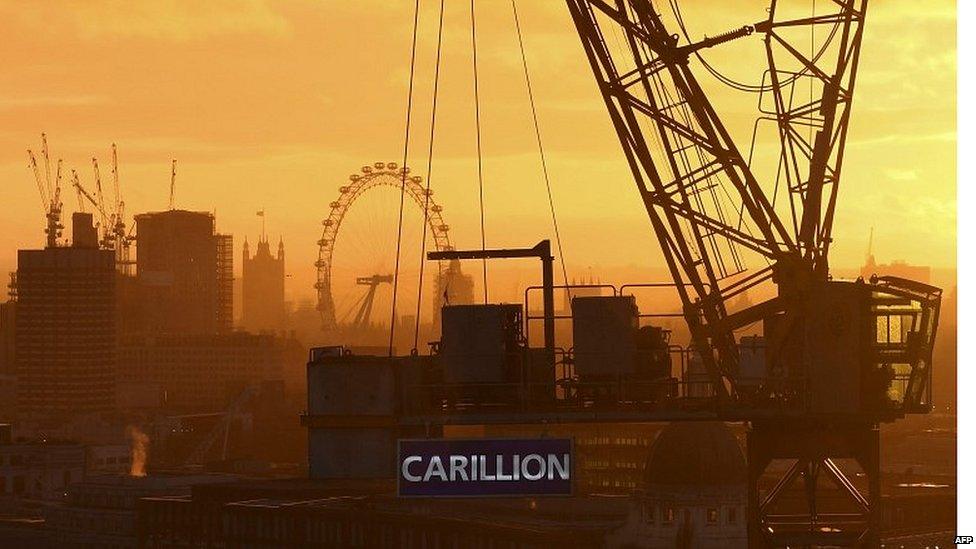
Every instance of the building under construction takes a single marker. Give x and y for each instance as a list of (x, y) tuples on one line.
[(65, 329), (185, 272)]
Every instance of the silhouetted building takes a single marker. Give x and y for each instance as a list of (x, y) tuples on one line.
[(609, 457), (202, 372), (694, 491), (452, 287), (263, 288), (8, 331), (65, 330), (899, 268), (39, 470), (185, 273), (101, 512)]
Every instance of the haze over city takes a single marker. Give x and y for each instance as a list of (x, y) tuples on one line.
[(262, 112), (582, 273)]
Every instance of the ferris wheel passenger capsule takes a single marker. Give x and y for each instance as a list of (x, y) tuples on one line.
[(379, 165), (334, 204), (416, 179), (405, 169), (345, 189), (391, 166), (327, 223), (367, 169), (444, 228)]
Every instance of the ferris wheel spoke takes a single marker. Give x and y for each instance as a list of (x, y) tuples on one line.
[(367, 214)]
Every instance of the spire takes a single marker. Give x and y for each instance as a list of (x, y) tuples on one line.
[(869, 257), (281, 248)]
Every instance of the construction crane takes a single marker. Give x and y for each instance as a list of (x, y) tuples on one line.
[(106, 221), (361, 321), (172, 185), (122, 238), (837, 364), (50, 192), (84, 195), (115, 234)]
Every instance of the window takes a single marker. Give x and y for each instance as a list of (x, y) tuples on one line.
[(711, 516), (732, 517), (668, 515)]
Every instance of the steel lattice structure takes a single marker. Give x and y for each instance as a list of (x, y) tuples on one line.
[(710, 213), (379, 174), (708, 209)]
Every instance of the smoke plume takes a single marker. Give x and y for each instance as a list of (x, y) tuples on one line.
[(140, 450)]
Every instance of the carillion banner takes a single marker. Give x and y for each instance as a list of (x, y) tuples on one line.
[(485, 467)]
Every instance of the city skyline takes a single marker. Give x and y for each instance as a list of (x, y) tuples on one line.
[(289, 158)]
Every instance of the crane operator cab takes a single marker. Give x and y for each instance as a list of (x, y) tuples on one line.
[(857, 347)]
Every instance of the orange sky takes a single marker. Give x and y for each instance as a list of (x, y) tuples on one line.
[(272, 104)]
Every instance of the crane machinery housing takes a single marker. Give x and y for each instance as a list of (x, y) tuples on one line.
[(835, 358)]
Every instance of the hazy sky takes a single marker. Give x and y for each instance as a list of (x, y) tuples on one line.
[(273, 104)]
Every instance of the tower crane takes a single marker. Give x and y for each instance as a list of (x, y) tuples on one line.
[(106, 220), (50, 192), (172, 185), (122, 238), (84, 195), (115, 234), (841, 357)]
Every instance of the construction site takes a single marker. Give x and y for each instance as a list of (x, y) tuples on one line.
[(625, 306)]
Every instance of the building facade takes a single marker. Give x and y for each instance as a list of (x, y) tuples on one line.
[(38, 470), (184, 270), (263, 288), (65, 335), (101, 511), (201, 372), (694, 493)]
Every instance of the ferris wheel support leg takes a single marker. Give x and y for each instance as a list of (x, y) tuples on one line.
[(793, 509)]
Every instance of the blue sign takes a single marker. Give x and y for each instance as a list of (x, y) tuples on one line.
[(485, 467)]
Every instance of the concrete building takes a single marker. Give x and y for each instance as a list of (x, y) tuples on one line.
[(694, 491), (202, 372), (36, 469), (101, 512), (65, 334), (184, 270), (8, 334), (263, 288), (610, 458)]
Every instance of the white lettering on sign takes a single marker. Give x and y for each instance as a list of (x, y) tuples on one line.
[(406, 468), (475, 468)]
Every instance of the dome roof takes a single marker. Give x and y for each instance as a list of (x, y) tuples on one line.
[(695, 454)]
